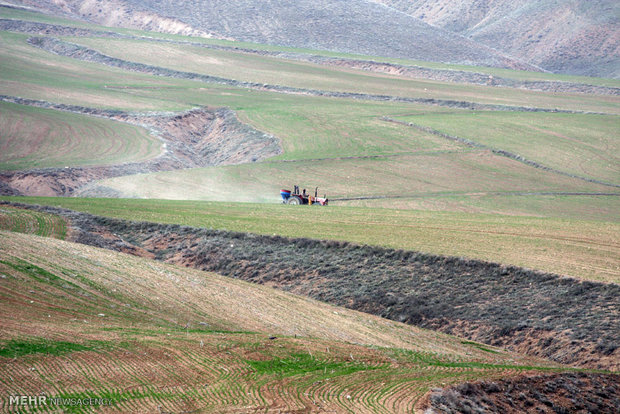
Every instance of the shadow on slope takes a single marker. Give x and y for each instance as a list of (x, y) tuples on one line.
[(531, 312)]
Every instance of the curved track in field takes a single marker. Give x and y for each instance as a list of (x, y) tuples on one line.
[(32, 222), (194, 138)]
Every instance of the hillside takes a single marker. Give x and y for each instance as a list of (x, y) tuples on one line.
[(92, 323), (357, 26), (469, 257), (578, 37), (240, 121), (529, 312)]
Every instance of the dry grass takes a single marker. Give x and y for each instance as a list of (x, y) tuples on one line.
[(138, 324)]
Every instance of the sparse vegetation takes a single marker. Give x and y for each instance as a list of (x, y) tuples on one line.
[(514, 307), (299, 353), (575, 248), (563, 393)]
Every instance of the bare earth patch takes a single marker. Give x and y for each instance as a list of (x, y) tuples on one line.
[(195, 138)]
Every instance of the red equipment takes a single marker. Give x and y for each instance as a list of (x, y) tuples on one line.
[(298, 198)]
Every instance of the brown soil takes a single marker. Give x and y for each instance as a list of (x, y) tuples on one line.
[(538, 314), (556, 393), (196, 138)]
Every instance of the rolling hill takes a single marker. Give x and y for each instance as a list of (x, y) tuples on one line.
[(356, 26), (477, 201), (92, 323), (578, 37)]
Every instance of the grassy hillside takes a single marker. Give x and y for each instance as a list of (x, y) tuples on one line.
[(346, 147), (32, 222), (21, 14), (32, 73), (170, 338), (585, 145), (425, 174), (453, 175), (270, 70), (40, 138), (583, 249)]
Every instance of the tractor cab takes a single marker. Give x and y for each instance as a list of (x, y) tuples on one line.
[(297, 197)]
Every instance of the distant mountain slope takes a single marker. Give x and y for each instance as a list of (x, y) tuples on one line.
[(356, 26), (569, 36)]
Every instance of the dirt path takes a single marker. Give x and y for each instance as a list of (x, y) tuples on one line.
[(196, 138)]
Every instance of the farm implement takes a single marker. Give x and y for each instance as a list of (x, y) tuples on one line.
[(297, 198)]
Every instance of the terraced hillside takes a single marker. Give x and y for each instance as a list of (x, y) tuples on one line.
[(539, 314), (84, 325)]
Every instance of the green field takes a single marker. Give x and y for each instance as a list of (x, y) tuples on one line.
[(29, 72), (586, 145), (32, 222), (577, 248), (262, 69), (43, 138), (180, 339), (425, 174), (346, 148), (78, 321)]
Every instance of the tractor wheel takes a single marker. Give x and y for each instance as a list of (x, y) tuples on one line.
[(294, 200)]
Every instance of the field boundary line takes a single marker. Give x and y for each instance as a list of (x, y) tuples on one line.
[(497, 151), (365, 64), (75, 51)]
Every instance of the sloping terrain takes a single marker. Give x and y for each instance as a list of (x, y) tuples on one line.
[(532, 80), (333, 125), (563, 393), (193, 138), (578, 37), (357, 26), (40, 138), (538, 314), (533, 151), (146, 336), (584, 249), (32, 222)]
